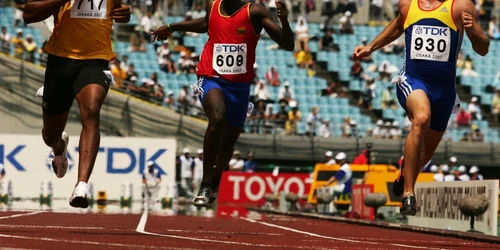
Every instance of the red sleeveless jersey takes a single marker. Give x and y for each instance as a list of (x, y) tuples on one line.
[(230, 50)]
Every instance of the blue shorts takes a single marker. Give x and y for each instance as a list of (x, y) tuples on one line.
[(236, 98), (442, 99)]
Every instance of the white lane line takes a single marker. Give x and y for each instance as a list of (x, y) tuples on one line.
[(85, 242), (57, 227), (144, 218), (20, 215), (220, 232), (336, 238)]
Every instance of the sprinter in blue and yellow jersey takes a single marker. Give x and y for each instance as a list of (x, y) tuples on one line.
[(433, 31)]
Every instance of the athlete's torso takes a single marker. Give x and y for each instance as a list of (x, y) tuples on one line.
[(82, 30), (230, 50), (432, 43)]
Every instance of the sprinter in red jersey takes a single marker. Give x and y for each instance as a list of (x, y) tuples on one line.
[(225, 72)]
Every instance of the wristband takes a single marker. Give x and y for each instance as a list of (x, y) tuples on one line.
[(170, 28)]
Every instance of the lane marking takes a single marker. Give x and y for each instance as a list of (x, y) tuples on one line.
[(144, 218), (20, 215), (335, 238), (58, 227), (220, 232), (85, 242)]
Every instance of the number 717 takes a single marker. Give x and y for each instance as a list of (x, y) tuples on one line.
[(91, 4)]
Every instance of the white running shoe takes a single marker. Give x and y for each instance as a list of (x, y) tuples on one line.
[(60, 162), (80, 196), (39, 93)]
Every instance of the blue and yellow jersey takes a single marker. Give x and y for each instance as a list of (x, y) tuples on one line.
[(432, 42)]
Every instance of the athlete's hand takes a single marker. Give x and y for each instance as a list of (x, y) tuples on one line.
[(161, 34), (360, 52), (282, 11), (467, 21), (121, 14)]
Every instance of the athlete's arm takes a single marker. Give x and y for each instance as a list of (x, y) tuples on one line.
[(198, 25), (283, 36), (480, 42), (392, 32), (39, 10)]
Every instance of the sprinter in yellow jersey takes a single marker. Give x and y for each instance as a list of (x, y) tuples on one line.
[(77, 67), (433, 31)]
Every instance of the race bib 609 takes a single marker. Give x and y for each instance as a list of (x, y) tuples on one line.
[(430, 43), (230, 59), (89, 9)]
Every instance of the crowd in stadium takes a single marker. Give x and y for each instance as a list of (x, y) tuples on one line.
[(284, 118)]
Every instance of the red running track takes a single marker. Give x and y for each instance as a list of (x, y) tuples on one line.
[(46, 230)]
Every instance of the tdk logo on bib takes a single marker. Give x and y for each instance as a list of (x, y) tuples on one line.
[(231, 48), (434, 31)]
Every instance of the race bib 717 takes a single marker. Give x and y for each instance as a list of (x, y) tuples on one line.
[(230, 59), (89, 9), (430, 43)]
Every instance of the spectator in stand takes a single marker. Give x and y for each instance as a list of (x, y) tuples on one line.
[(273, 77), (357, 71), (158, 92), (281, 118), (2, 171), (460, 60), (326, 43), (469, 69), (294, 116), (198, 11), (474, 109), (463, 118), (383, 70), (304, 59), (346, 127), (354, 128), (452, 163), (261, 92), (378, 129), (167, 64), (18, 42), (368, 94), (124, 62), (332, 91), (462, 173), (327, 10), (4, 41), (184, 99), (18, 12), (170, 100), (312, 121), (369, 132), (376, 10), (163, 50), (324, 130), (465, 137), (396, 131), (273, 9), (346, 23), (186, 63), (362, 158), (137, 41), (385, 132), (43, 55), (118, 74), (149, 24), (269, 119), (132, 75), (301, 34), (476, 135), (495, 103), (438, 174), (236, 164), (493, 30), (30, 48), (474, 174), (286, 93), (388, 98), (250, 164), (329, 158), (257, 117)]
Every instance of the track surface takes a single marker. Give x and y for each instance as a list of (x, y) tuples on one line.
[(47, 230)]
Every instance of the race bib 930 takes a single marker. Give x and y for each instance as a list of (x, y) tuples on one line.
[(230, 59), (430, 43)]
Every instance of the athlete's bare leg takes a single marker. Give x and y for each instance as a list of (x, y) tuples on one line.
[(229, 138), (215, 109), (419, 112), (53, 126), (90, 100)]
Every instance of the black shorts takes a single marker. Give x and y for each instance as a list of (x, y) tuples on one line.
[(65, 78)]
